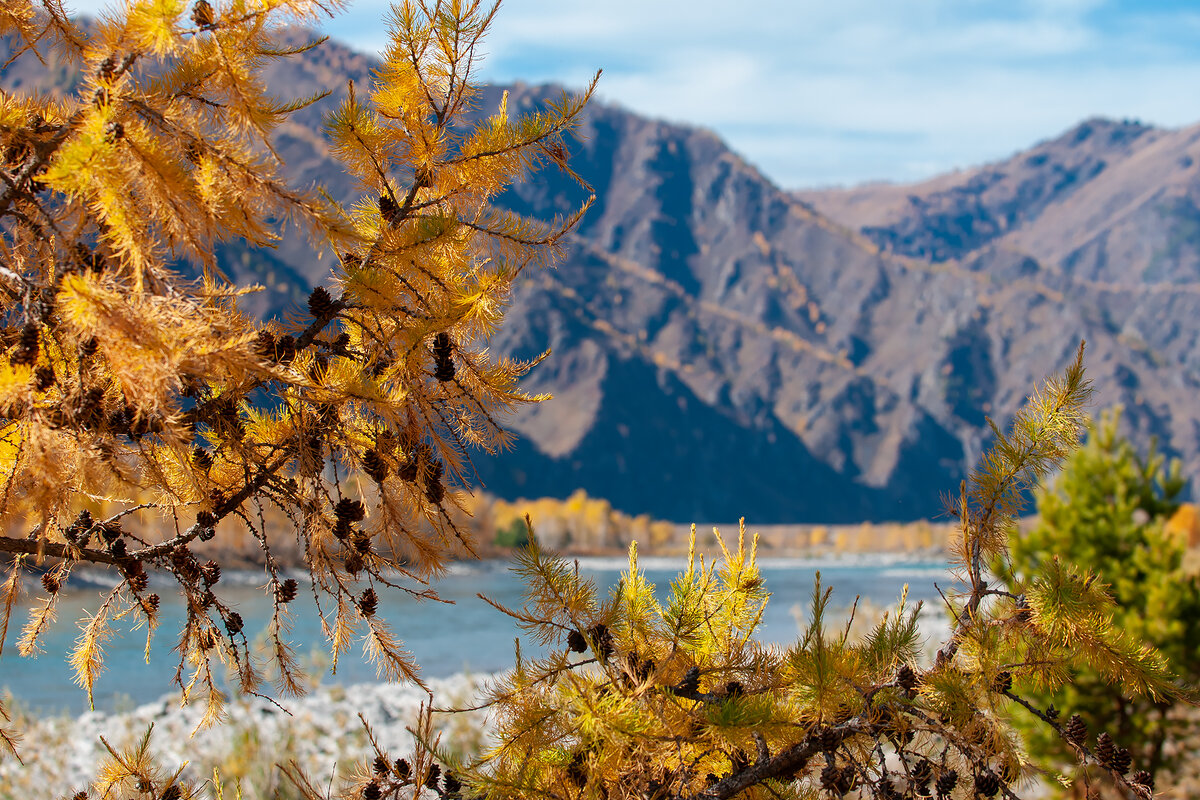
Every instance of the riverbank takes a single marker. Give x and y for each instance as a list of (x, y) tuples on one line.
[(321, 732)]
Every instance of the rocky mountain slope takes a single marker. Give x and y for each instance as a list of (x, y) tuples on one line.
[(723, 348)]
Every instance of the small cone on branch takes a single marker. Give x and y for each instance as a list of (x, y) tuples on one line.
[(320, 303), (946, 782), (1075, 729), (1105, 749), (286, 591), (442, 357), (375, 466), (202, 14), (1122, 760)]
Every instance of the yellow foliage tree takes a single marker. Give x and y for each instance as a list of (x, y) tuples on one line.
[(126, 385)]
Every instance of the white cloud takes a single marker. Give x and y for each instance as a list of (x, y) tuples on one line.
[(819, 92)]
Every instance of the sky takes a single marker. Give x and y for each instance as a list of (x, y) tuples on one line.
[(839, 92)]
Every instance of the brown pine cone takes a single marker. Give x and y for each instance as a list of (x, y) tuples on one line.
[(1105, 749), (368, 602), (987, 784), (375, 466), (830, 776), (946, 782), (1142, 778), (321, 303), (602, 641), (1075, 730), (1122, 760), (351, 510), (202, 14), (906, 678), (286, 591), (442, 357), (26, 351)]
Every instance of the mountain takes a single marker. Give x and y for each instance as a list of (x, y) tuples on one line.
[(722, 347)]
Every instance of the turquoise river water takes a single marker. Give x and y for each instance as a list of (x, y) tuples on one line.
[(468, 636)]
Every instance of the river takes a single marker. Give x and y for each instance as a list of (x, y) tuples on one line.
[(468, 636)]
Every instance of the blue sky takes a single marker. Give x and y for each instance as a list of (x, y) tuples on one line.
[(820, 92)]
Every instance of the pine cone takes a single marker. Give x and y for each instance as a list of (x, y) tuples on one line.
[(373, 464), (152, 602), (1075, 730), (233, 623), (826, 739), (576, 643), (286, 591), (1143, 778), (264, 345), (921, 774), (435, 492), (987, 784), (320, 303), (602, 641), (26, 351), (734, 689), (407, 471), (368, 602), (1105, 749), (1052, 712), (372, 791), (172, 792), (402, 769), (351, 510), (212, 572), (381, 766), (1122, 760), (830, 778), (342, 529), (442, 357), (847, 780), (906, 678), (1003, 682), (388, 209), (51, 582), (946, 782), (138, 581), (206, 519), (202, 14), (285, 348), (431, 779), (691, 681), (451, 784), (201, 458)]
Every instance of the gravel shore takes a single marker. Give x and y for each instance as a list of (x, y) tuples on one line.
[(322, 733)]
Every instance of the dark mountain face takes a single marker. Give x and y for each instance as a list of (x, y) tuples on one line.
[(722, 348)]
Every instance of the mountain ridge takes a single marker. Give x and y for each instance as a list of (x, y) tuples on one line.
[(723, 347)]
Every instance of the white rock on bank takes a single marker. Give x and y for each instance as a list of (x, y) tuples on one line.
[(322, 733)]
